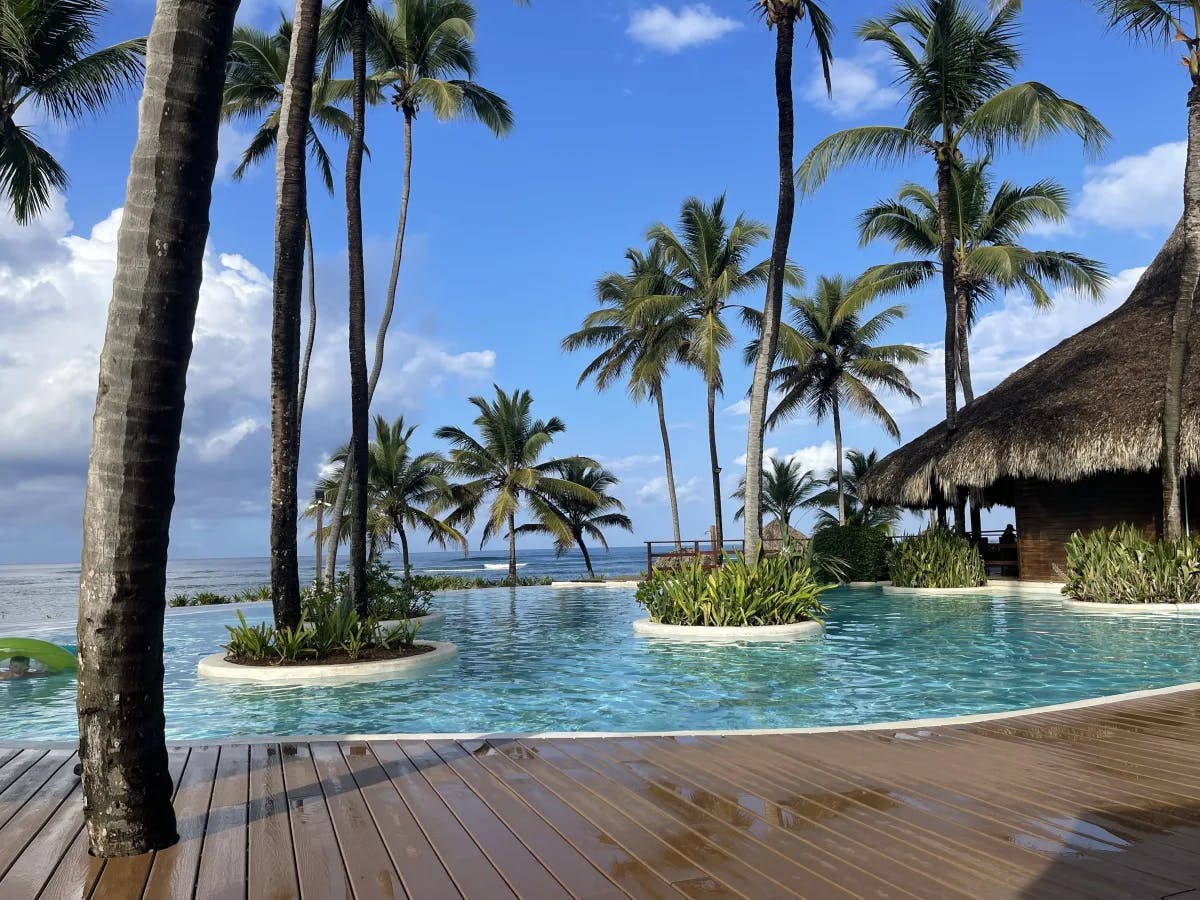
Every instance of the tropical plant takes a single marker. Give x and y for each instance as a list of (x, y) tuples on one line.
[(127, 784), (416, 50), (775, 590), (47, 64), (584, 517), (407, 492), (1165, 23), (829, 359), (443, 582), (781, 16), (858, 464), (1121, 565), (636, 347), (861, 551), (956, 66), (708, 261), (270, 78), (786, 488), (248, 641), (937, 558), (988, 223), (505, 464)]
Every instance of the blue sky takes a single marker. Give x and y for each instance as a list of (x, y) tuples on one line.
[(623, 110)]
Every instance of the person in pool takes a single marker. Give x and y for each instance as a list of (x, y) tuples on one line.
[(18, 667)]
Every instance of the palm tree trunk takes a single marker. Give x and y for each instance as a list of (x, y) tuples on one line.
[(512, 549), (945, 175), (339, 505), (837, 443), (1181, 325), (319, 538), (670, 466), (773, 308), (962, 308), (356, 463), (291, 219), (312, 328), (714, 459), (404, 548), (587, 557), (127, 786)]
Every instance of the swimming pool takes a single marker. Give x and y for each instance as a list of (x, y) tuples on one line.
[(543, 659)]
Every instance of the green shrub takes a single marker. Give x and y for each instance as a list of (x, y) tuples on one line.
[(937, 558), (862, 551), (1119, 565), (443, 582), (250, 641), (778, 590)]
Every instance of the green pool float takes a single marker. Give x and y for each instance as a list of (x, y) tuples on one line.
[(49, 657)]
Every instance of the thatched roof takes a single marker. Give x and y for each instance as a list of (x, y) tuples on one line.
[(773, 533), (1091, 404)]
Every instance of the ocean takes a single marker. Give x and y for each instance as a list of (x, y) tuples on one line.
[(37, 593)]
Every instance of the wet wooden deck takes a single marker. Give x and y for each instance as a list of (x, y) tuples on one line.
[(1101, 802)]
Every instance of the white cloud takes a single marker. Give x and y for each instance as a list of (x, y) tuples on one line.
[(816, 458), (218, 444), (629, 463), (231, 144), (661, 28), (859, 87), (742, 407), (1136, 192), (655, 490)]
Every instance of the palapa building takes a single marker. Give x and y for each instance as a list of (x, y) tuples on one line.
[(1071, 441)]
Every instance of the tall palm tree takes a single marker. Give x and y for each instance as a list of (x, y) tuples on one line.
[(270, 77), (830, 360), (47, 63), (782, 16), (988, 223), (415, 51), (786, 488), (584, 517), (505, 464), (633, 348), (1166, 22), (708, 261), (859, 464), (408, 491), (127, 785), (956, 66)]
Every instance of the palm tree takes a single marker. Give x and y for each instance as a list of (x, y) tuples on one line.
[(505, 464), (1165, 22), (988, 225), (956, 66), (270, 77), (127, 785), (47, 62), (415, 50), (857, 512), (830, 360), (782, 16), (632, 347), (707, 259), (316, 510), (407, 491), (584, 517), (785, 488)]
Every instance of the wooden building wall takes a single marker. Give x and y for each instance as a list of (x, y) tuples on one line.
[(1048, 513)]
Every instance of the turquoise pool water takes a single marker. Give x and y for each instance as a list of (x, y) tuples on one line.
[(541, 659)]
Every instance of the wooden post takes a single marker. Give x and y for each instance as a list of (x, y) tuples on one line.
[(649, 559)]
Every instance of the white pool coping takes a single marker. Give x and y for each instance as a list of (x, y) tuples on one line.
[(1132, 609), (218, 667), (794, 632), (593, 584), (434, 618), (992, 588)]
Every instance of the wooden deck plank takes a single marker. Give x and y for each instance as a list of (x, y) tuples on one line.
[(572, 870), (319, 862), (410, 851), (126, 876), (367, 861), (39, 859), (23, 827), (270, 856), (75, 875), (522, 870), (222, 874), (174, 870), (29, 782)]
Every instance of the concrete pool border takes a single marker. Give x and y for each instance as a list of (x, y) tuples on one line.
[(797, 631), (216, 666)]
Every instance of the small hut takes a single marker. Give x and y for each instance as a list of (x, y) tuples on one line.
[(1072, 440), (772, 537)]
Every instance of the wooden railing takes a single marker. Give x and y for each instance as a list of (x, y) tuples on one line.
[(667, 553)]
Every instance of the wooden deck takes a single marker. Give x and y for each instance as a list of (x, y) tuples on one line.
[(1101, 802)]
